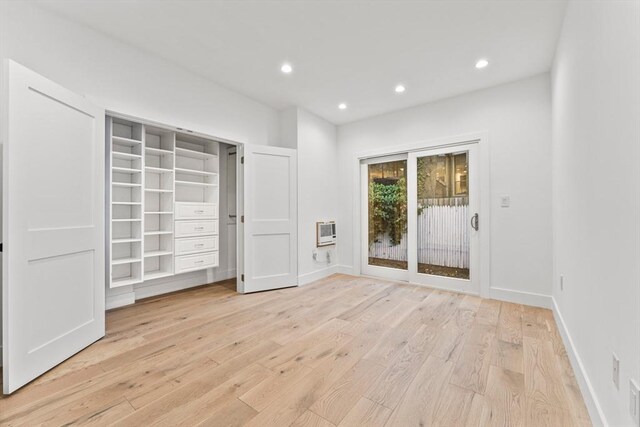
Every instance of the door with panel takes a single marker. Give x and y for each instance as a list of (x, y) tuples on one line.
[(269, 232), (444, 212), (53, 261)]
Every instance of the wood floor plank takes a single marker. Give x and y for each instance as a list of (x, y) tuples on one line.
[(488, 312), (395, 379), (309, 419), (472, 367), (543, 383), (343, 395), (453, 407), (505, 397), (233, 414), (508, 356), (510, 323), (419, 403), (366, 413), (341, 351), (260, 396)]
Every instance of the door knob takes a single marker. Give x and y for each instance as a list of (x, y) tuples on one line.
[(475, 221)]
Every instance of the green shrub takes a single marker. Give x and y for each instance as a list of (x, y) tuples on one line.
[(388, 210)]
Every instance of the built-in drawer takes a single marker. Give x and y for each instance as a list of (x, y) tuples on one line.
[(196, 262), (194, 245), (196, 228), (196, 210)]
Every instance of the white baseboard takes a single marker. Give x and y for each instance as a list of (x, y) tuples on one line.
[(519, 297), (305, 279), (120, 297), (345, 269), (588, 394), (180, 282)]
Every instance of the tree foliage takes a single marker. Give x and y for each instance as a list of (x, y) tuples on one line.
[(388, 210)]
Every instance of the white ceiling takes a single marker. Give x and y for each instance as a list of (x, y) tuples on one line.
[(342, 51)]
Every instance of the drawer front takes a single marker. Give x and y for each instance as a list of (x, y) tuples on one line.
[(196, 210), (197, 244), (196, 228), (196, 262)]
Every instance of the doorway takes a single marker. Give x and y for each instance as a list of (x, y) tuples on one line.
[(420, 217)]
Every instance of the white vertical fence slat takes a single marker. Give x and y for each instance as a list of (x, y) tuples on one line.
[(443, 237)]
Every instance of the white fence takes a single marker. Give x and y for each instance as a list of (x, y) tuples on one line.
[(443, 238)]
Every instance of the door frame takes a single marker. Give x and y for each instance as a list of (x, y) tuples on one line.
[(484, 237)]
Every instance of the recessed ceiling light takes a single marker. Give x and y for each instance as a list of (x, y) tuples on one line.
[(482, 63), (286, 68), (400, 88), (342, 106)]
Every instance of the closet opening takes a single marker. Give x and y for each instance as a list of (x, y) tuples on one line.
[(171, 209)]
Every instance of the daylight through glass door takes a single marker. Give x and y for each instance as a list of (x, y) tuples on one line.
[(443, 233), (387, 214)]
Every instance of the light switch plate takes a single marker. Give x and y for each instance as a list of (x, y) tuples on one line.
[(615, 371), (505, 201), (634, 401)]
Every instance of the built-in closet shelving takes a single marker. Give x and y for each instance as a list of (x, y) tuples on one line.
[(163, 202), (197, 194), (158, 203), (126, 141)]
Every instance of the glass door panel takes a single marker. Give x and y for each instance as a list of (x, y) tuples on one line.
[(443, 235), (385, 248)]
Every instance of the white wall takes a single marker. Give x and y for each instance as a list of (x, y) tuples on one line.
[(517, 118), (316, 141), (596, 177), (122, 78)]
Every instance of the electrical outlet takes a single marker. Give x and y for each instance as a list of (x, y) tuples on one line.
[(634, 401), (616, 371), (561, 283)]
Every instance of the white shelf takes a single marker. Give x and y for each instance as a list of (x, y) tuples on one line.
[(126, 203), (158, 151), (157, 253), (157, 274), (194, 154), (157, 233), (158, 213), (157, 190), (126, 219), (125, 184), (157, 170), (124, 281), (120, 261), (125, 156), (195, 172), (124, 170), (126, 240), (125, 141), (195, 184)]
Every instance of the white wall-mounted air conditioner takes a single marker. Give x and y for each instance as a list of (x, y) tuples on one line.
[(325, 233)]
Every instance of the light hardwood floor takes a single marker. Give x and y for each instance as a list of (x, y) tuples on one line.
[(343, 351)]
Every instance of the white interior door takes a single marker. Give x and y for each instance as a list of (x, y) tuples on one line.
[(270, 219), (53, 225)]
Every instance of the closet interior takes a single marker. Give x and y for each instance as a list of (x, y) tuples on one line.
[(164, 202)]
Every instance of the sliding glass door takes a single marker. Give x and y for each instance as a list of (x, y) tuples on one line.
[(384, 204), (421, 219), (443, 218)]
